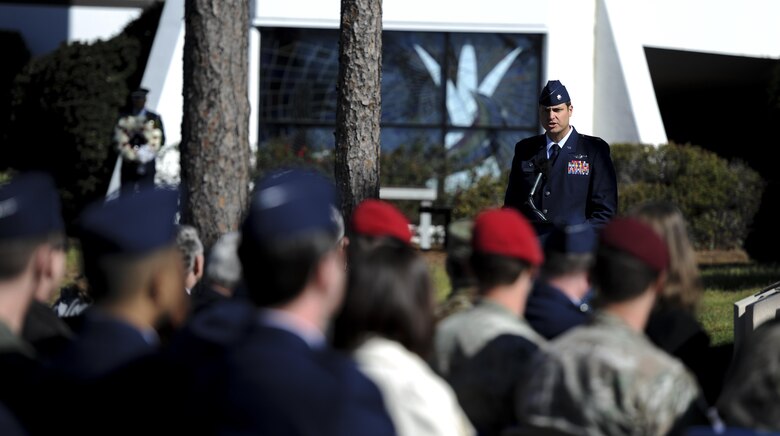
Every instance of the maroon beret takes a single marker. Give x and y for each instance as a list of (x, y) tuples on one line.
[(507, 233), (637, 239), (379, 218)]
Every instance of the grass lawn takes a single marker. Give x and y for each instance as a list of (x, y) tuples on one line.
[(724, 283)]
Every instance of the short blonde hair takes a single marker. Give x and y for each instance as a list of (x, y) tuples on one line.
[(683, 286)]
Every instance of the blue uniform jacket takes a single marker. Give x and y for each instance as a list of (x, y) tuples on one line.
[(266, 380), (551, 313), (580, 187), (102, 345)]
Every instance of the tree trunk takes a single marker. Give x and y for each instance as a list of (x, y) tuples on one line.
[(215, 124), (359, 102)]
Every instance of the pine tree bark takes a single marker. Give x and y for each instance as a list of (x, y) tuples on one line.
[(359, 105), (215, 124)]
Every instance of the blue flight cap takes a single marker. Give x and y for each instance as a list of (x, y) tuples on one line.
[(30, 207), (553, 94), (289, 204), (139, 93), (573, 239), (134, 224)]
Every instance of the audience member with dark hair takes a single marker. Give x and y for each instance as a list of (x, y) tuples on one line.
[(559, 299), (31, 265), (377, 223), (276, 373), (387, 323), (135, 276), (673, 326), (481, 351), (606, 377)]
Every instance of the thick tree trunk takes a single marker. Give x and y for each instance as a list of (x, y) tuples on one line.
[(359, 106), (215, 125)]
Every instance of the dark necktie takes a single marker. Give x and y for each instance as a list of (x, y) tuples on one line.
[(554, 153)]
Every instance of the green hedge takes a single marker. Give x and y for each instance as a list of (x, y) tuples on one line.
[(717, 197), (15, 56), (64, 106), (408, 166), (486, 192)]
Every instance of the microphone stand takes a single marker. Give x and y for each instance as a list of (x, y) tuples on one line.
[(530, 201)]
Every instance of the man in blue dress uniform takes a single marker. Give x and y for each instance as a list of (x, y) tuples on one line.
[(561, 177), (135, 276), (31, 261), (135, 173), (278, 375), (559, 299)]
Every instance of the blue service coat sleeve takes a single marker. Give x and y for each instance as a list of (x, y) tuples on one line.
[(603, 195), (513, 198), (521, 177)]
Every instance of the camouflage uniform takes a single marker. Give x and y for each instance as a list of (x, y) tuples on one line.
[(481, 352), (604, 378), (751, 397)]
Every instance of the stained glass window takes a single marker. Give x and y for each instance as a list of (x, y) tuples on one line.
[(470, 96)]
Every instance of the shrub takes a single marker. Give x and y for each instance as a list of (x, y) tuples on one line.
[(485, 192), (282, 153), (717, 197), (64, 106), (408, 166), (15, 56)]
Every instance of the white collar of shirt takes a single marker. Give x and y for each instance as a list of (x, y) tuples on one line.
[(288, 322), (550, 142)]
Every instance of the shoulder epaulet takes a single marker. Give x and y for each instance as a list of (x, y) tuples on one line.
[(592, 138)]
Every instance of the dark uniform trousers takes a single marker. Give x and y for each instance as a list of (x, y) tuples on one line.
[(580, 187)]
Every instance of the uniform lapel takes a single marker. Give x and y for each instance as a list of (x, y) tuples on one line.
[(541, 148), (570, 149)]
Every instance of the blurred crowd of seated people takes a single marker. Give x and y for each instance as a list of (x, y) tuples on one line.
[(301, 322)]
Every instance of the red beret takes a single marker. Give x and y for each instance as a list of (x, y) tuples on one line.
[(637, 239), (380, 218), (507, 233)]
